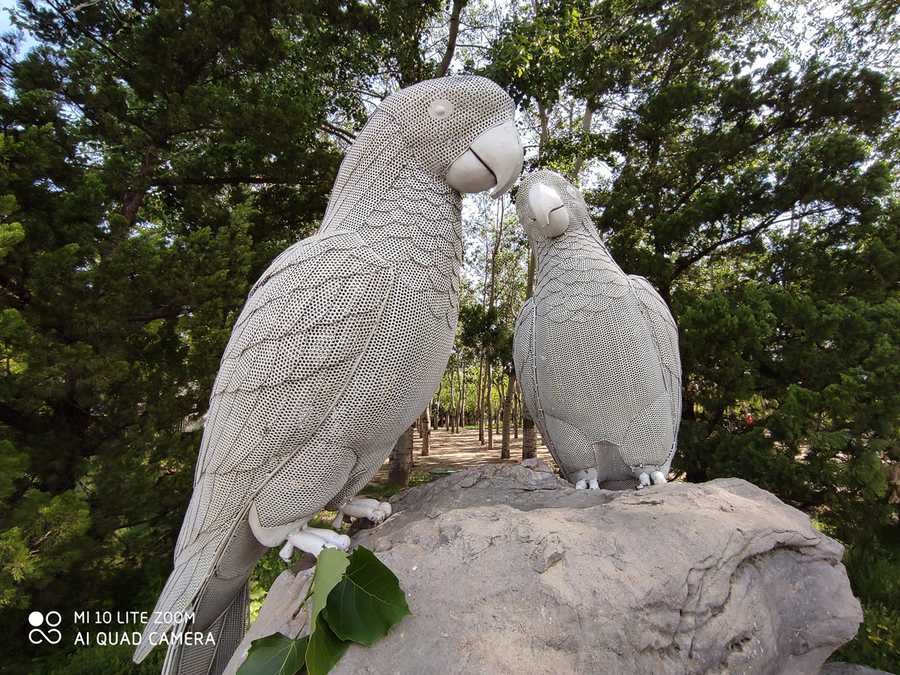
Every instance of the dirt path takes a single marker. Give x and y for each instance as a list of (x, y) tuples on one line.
[(462, 450)]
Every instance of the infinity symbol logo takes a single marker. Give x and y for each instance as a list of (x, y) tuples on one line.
[(37, 619)]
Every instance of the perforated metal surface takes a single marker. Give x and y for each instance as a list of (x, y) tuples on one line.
[(596, 352), (340, 345)]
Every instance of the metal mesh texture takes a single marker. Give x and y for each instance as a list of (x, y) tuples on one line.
[(341, 343), (211, 657), (596, 352)]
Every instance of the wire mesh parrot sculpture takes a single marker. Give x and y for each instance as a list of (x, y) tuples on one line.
[(339, 347), (595, 349)]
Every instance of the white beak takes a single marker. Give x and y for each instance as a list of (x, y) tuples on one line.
[(493, 160), (550, 215)]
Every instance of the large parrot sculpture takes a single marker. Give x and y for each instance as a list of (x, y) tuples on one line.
[(595, 349), (340, 345)]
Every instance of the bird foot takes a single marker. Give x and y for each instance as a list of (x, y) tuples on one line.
[(656, 476), (586, 479), (360, 507), (313, 540)]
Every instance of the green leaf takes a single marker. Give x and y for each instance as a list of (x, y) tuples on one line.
[(367, 601), (330, 568), (275, 655), (325, 649)]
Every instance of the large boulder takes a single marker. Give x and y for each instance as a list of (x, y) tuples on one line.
[(849, 669), (509, 569)]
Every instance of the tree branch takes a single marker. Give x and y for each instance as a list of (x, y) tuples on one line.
[(589, 107), (337, 131), (451, 39), (164, 312), (686, 261)]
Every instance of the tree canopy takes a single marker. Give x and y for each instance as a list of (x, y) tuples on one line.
[(156, 155)]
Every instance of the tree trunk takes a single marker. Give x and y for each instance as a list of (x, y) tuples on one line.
[(401, 460), (589, 109), (479, 392), (529, 435), (515, 414), (435, 413), (425, 430), (435, 408), (507, 410), (461, 408), (451, 38), (489, 413), (451, 411)]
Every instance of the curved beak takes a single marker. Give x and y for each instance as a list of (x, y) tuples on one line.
[(495, 159), (547, 207)]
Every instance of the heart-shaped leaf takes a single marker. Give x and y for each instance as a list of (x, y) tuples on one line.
[(325, 649), (274, 655), (330, 568), (367, 601)]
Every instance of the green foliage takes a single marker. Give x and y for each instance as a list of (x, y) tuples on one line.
[(154, 159), (108, 660), (269, 567), (355, 599), (275, 655), (379, 488), (874, 568), (367, 601), (759, 196), (325, 648), (330, 568)]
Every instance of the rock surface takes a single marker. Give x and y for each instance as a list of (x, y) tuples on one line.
[(279, 612), (849, 669), (509, 569)]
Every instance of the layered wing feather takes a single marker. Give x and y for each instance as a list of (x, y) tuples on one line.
[(664, 334), (293, 351), (523, 359)]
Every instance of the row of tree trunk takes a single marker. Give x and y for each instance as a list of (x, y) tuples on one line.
[(401, 459)]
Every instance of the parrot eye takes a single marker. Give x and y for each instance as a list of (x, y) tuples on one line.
[(440, 109)]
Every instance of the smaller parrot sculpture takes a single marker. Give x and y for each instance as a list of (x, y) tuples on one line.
[(595, 349), (340, 346)]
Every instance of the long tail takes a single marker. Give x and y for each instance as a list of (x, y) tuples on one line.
[(206, 593), (211, 654)]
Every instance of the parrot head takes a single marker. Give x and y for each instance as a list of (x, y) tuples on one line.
[(461, 128), (548, 205)]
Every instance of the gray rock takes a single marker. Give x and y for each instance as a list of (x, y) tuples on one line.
[(509, 569), (279, 611), (849, 669)]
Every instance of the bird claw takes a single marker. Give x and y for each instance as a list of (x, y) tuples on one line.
[(313, 540), (586, 479), (371, 509), (645, 478)]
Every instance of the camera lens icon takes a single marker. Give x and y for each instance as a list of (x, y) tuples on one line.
[(38, 619)]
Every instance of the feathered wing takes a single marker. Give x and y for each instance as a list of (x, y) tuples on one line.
[(523, 359), (368, 172), (664, 334), (294, 349)]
